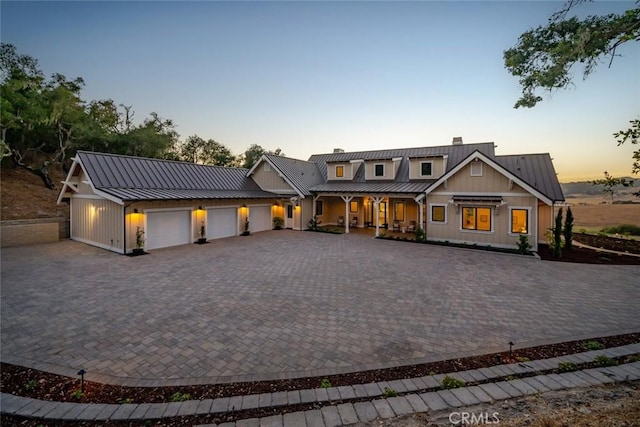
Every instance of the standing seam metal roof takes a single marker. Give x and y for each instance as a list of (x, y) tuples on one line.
[(302, 174), (536, 170)]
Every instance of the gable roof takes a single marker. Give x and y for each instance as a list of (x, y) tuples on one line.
[(135, 178), (536, 170), (518, 178), (401, 183), (299, 174)]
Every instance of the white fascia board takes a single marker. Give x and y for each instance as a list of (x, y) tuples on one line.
[(67, 180), (396, 159), (253, 168), (478, 155), (356, 161)]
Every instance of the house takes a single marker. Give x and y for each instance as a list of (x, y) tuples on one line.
[(461, 193)]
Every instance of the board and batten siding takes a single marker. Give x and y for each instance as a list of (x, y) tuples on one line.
[(437, 168), (270, 180), (98, 222)]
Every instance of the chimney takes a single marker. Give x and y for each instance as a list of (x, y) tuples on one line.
[(338, 150), (457, 140)]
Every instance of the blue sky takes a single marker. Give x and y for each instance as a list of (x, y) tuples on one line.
[(311, 76)]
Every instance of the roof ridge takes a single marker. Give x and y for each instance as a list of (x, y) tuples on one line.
[(288, 158), (406, 148), (100, 153)]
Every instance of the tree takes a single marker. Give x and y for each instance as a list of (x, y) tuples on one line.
[(557, 236), (253, 154), (544, 57), (609, 183), (209, 152), (567, 231)]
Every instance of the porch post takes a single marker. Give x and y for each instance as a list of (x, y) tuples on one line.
[(315, 199), (419, 200), (346, 199), (376, 216)]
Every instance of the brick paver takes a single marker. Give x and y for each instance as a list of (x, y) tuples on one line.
[(285, 301)]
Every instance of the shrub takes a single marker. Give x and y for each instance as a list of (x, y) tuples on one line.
[(30, 385), (78, 395), (278, 222), (325, 383), (594, 345), (624, 229), (567, 367), (313, 224), (419, 233), (557, 236), (389, 392), (523, 245), (450, 382), (180, 397), (603, 360)]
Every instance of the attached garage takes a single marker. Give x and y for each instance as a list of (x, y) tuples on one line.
[(260, 218), (167, 228), (222, 222)]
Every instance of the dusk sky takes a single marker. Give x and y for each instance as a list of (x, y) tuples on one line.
[(308, 77)]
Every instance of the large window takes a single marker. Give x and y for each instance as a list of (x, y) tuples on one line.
[(476, 219), (339, 171), (520, 221), (319, 206), (379, 169), (426, 168), (398, 211), (438, 213)]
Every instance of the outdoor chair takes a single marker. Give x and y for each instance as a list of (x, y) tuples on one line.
[(412, 227), (340, 221), (354, 222), (396, 226)]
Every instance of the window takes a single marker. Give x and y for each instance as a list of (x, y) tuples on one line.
[(476, 168), (319, 207), (267, 167), (520, 221), (353, 207), (289, 211), (339, 171), (426, 168), (476, 219), (438, 213), (398, 211), (379, 169)]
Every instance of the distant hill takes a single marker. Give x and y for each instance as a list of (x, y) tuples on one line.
[(586, 188)]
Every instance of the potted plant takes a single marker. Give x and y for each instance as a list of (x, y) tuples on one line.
[(202, 239), (246, 231), (139, 249), (278, 223)]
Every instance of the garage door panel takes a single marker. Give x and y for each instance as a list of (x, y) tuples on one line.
[(169, 228), (222, 222), (260, 218)]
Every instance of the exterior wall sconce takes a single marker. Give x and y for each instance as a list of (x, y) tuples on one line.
[(200, 208), (135, 210)]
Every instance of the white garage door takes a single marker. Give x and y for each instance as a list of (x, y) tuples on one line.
[(222, 222), (167, 228), (259, 218)]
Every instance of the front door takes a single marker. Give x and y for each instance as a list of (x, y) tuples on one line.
[(380, 216), (288, 215)]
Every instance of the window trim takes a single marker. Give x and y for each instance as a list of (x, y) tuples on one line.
[(479, 163), (341, 168), (442, 205), (520, 208), (426, 162), (319, 207), (475, 230), (375, 170)]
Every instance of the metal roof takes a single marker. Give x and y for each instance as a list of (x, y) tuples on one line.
[(136, 178), (302, 174), (536, 170), (372, 187)]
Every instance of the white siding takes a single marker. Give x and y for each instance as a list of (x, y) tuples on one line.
[(98, 222)]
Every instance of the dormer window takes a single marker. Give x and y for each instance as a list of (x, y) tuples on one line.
[(476, 168), (426, 168), (379, 170), (339, 171)]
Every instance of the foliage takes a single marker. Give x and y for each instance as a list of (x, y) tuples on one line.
[(567, 367), (567, 231), (557, 236), (624, 229), (30, 385), (450, 382), (180, 397), (139, 237), (523, 245), (325, 383), (609, 183), (631, 135), (278, 222), (203, 230), (209, 152), (594, 345), (252, 154), (126, 400), (603, 360), (313, 224), (389, 392), (77, 394), (543, 57), (419, 233)]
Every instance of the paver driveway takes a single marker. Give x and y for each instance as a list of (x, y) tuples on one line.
[(284, 303)]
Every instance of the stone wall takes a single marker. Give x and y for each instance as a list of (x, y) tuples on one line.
[(33, 231)]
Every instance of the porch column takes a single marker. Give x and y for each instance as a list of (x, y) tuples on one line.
[(419, 201), (346, 199), (376, 216), (315, 199)]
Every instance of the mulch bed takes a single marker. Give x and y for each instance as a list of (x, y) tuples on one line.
[(590, 256), (22, 381), (611, 243)]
